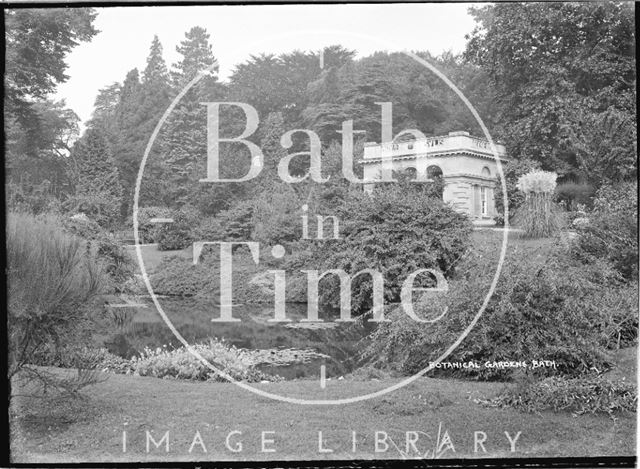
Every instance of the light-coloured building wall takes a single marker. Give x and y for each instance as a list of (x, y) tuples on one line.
[(468, 166)]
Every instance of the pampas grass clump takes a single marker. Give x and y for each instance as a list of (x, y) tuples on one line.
[(537, 182), (538, 216)]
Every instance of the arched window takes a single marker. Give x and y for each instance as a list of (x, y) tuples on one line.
[(486, 171), (410, 173), (434, 172)]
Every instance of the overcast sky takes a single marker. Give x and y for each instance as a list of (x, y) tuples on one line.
[(240, 31)]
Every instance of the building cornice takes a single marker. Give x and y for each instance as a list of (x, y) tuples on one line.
[(446, 153), (465, 176), (447, 177)]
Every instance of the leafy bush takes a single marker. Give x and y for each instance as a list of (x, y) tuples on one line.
[(178, 235), (88, 357), (116, 261), (406, 182), (53, 283), (148, 232), (74, 355), (396, 231), (572, 194), (211, 199), (209, 229), (612, 230), (237, 222), (181, 364), (32, 199), (82, 226), (574, 218), (547, 307), (101, 206), (179, 277), (276, 218), (110, 362), (578, 395), (161, 362)]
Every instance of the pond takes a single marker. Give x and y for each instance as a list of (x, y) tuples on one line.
[(131, 329)]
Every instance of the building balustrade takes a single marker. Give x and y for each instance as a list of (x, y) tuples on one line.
[(466, 164), (454, 142)]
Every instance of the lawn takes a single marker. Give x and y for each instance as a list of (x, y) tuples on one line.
[(153, 257), (486, 241), (91, 429)]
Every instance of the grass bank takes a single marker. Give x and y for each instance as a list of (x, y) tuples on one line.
[(91, 429), (63, 430)]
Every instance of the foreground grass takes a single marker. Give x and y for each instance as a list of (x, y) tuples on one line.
[(63, 430)]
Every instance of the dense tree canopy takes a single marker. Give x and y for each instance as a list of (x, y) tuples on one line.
[(564, 76), (98, 192), (39, 131), (273, 83), (420, 99), (37, 43), (554, 81)]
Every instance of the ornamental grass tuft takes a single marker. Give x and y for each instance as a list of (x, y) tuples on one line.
[(538, 216)]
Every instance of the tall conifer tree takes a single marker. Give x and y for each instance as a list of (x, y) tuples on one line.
[(155, 97), (98, 192), (185, 138), (156, 70)]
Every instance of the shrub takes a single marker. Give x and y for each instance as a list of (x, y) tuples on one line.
[(82, 226), (32, 199), (395, 232), (612, 230), (117, 263), (74, 355), (147, 231), (182, 364), (209, 229), (101, 206), (53, 282), (549, 307), (211, 199), (179, 277), (537, 215), (276, 217), (578, 395), (178, 235), (237, 222), (407, 183), (573, 194), (96, 179)]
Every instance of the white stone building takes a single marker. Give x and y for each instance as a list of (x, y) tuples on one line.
[(466, 163)]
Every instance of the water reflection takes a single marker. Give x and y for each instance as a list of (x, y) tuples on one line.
[(136, 328)]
